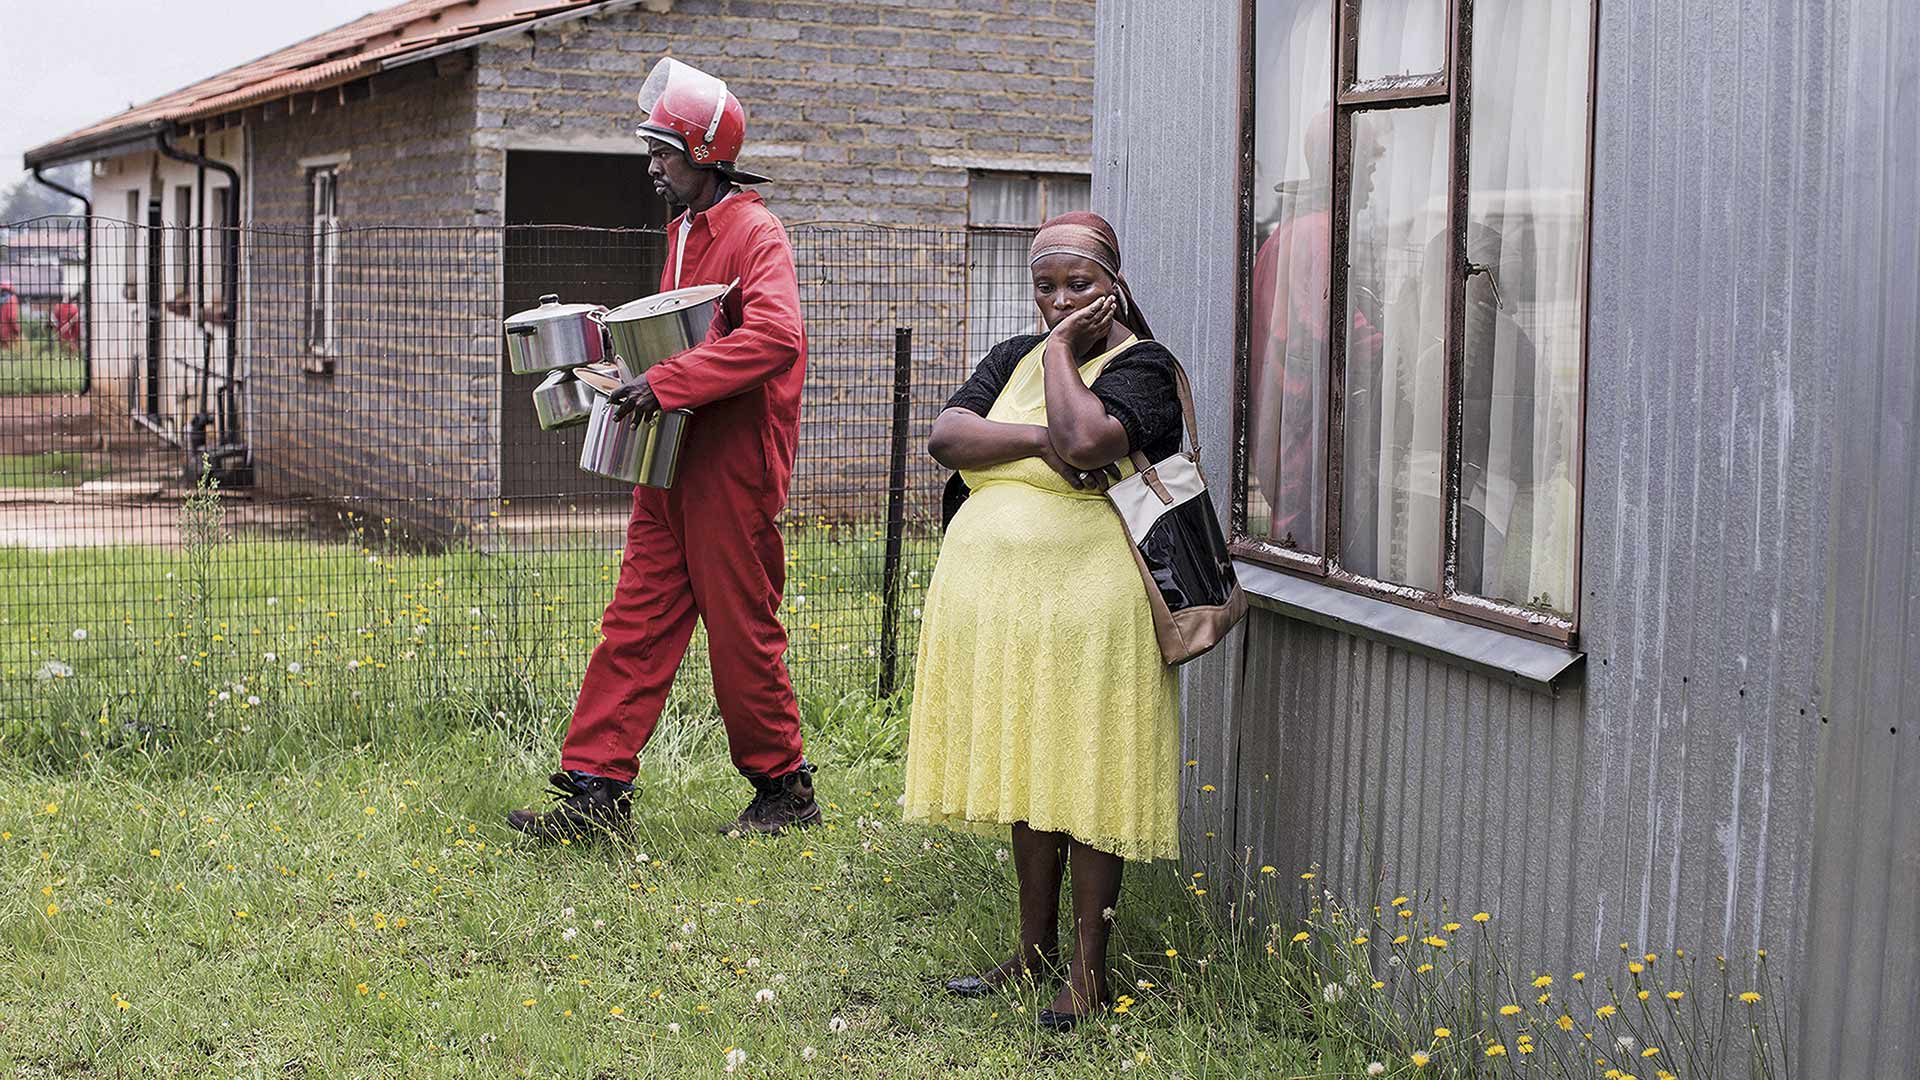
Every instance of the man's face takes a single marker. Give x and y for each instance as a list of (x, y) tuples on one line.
[(674, 177)]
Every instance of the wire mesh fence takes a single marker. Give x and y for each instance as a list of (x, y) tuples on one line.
[(247, 471)]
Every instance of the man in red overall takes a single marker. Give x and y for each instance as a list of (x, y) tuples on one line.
[(707, 547)]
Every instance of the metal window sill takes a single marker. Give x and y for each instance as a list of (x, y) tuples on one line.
[(1524, 662)]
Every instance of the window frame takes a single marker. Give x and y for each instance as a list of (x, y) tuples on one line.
[(322, 268), (1047, 182), (1451, 86)]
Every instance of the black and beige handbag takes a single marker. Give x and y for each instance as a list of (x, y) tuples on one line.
[(1179, 547)]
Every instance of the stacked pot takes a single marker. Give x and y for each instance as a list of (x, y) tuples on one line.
[(587, 351)]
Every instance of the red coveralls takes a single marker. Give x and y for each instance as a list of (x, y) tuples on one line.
[(9, 314), (708, 546)]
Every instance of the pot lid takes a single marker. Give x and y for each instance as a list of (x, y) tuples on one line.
[(673, 300), (551, 308)]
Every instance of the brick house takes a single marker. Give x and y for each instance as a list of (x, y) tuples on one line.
[(390, 172)]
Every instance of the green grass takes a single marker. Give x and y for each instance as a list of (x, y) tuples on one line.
[(38, 364), (250, 825), (244, 945), (58, 468)]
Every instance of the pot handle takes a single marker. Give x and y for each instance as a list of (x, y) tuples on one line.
[(522, 329)]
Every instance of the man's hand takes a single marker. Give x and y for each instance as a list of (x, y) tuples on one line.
[(634, 399)]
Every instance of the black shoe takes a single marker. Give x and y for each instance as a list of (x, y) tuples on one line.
[(979, 986), (587, 806), (1058, 1021), (779, 803)]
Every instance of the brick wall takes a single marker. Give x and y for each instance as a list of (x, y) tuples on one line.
[(851, 107), (405, 425)]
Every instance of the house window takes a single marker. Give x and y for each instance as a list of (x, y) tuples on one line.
[(1417, 301), (214, 255), (1003, 209), (181, 300), (131, 240), (322, 260)]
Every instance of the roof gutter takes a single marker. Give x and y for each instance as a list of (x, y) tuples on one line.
[(86, 280), (133, 137), (230, 257)]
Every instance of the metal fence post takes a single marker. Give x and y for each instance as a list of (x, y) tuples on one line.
[(896, 509)]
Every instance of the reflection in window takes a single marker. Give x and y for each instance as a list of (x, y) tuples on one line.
[(1519, 260), (1400, 37), (1526, 211), (1396, 353), (1287, 371)]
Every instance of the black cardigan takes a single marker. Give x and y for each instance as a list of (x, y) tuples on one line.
[(1137, 387)]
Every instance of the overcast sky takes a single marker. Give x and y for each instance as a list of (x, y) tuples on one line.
[(67, 63)]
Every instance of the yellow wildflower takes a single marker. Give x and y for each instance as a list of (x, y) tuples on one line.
[(1419, 1059), (1509, 1010), (1543, 981), (1481, 917), (1442, 1033), (1750, 998)]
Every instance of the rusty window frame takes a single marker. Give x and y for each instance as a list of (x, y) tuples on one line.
[(1452, 86)]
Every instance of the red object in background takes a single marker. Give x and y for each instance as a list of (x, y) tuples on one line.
[(66, 322), (708, 546), (9, 314)]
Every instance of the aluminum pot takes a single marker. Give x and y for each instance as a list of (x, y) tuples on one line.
[(647, 454), (562, 400), (652, 328), (554, 336)]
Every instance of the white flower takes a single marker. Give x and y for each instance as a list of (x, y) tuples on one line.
[(224, 695), (1106, 913), (673, 1028), (79, 635), (374, 559), (1393, 961), (566, 912), (599, 924), (836, 1025), (687, 928), (271, 658), (1625, 1042), (1332, 992), (54, 669), (676, 946), (640, 858), (753, 962), (1126, 1065), (999, 854), (473, 613), (253, 699), (807, 1053), (902, 800), (763, 996), (736, 1057), (351, 664), (293, 668), (273, 601), (1375, 1068), (569, 933)]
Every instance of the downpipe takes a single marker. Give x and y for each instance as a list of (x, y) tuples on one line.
[(86, 280)]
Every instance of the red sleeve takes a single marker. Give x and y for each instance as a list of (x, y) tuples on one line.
[(767, 341)]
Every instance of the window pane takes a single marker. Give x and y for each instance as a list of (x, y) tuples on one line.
[(1287, 369), (999, 289), (1396, 356), (1402, 37), (1520, 393), (1066, 194), (1003, 199)]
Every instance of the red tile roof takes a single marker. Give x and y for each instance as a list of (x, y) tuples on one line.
[(378, 40)]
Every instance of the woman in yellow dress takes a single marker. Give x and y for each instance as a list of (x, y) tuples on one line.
[(1041, 703)]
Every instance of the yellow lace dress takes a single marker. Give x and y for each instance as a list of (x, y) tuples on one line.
[(1039, 694)]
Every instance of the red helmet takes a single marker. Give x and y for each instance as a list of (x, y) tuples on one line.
[(693, 111)]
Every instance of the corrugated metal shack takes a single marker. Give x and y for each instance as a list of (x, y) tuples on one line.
[(1721, 754)]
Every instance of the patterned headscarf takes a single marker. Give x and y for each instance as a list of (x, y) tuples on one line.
[(1088, 235)]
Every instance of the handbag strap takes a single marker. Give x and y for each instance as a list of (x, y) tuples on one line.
[(1184, 390)]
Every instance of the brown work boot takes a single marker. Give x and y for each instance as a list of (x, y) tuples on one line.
[(587, 806), (779, 803)]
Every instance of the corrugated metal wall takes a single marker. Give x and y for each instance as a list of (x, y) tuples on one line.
[(1861, 1004), (1668, 798)]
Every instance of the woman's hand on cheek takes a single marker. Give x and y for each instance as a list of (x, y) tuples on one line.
[(1087, 327)]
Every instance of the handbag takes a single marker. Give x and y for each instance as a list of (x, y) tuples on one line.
[(1179, 546)]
